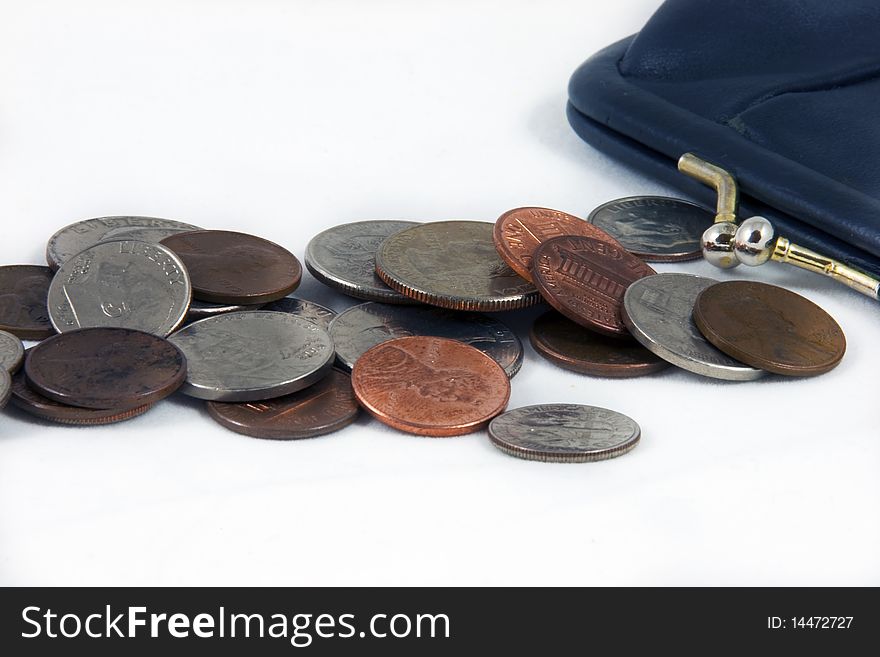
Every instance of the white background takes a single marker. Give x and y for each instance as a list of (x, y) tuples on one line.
[(284, 118)]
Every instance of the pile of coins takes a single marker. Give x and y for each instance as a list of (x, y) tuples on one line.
[(133, 309)]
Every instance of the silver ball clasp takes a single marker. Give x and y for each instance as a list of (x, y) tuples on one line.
[(754, 241), (718, 244)]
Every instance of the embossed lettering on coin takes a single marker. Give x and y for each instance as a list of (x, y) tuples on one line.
[(309, 310), (23, 293)]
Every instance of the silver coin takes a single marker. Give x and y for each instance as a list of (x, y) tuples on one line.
[(5, 387), (655, 228), (252, 355), (201, 309), (11, 352), (309, 310), (453, 264), (79, 236), (658, 311), (357, 329), (124, 283), (344, 258), (564, 433)]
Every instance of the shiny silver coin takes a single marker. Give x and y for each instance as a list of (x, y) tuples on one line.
[(5, 387), (125, 284), (658, 311), (81, 235), (357, 329), (655, 228), (344, 258), (453, 264), (310, 310), (564, 433), (252, 355), (201, 309), (11, 352)]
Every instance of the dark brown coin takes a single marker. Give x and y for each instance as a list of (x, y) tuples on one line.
[(23, 292), (430, 386), (228, 267), (575, 348), (584, 278), (33, 403), (105, 368), (322, 408), (770, 328), (518, 233)]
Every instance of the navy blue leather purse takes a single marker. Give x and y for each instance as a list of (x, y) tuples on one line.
[(784, 94)]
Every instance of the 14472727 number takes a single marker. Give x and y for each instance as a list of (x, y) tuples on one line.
[(809, 623)]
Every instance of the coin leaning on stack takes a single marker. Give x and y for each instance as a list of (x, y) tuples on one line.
[(133, 309)]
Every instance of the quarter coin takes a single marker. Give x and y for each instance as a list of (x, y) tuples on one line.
[(314, 312), (452, 264), (769, 327), (430, 386), (658, 311), (344, 258), (322, 408), (655, 228), (11, 352), (364, 326), (564, 433), (519, 232), (125, 284), (229, 267), (5, 387), (79, 236), (253, 355), (23, 293), (105, 368), (570, 345), (584, 278)]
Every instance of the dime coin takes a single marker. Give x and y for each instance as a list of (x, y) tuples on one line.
[(5, 387), (658, 311), (584, 278), (229, 267), (11, 352), (23, 292), (655, 228), (430, 386), (362, 327), (452, 264), (327, 406), (253, 355), (564, 433), (519, 232), (344, 258), (570, 345), (33, 403), (314, 312), (106, 368), (201, 309), (126, 284), (79, 236), (769, 327)]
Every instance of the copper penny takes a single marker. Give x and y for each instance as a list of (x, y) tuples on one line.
[(430, 386), (584, 278), (30, 401), (105, 368), (518, 233), (570, 345), (320, 409), (237, 268), (23, 293), (770, 328)]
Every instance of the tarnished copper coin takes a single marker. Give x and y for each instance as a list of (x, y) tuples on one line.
[(584, 278), (320, 409), (519, 232), (106, 368), (430, 386), (228, 267), (23, 293), (30, 401), (770, 328), (570, 345)]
